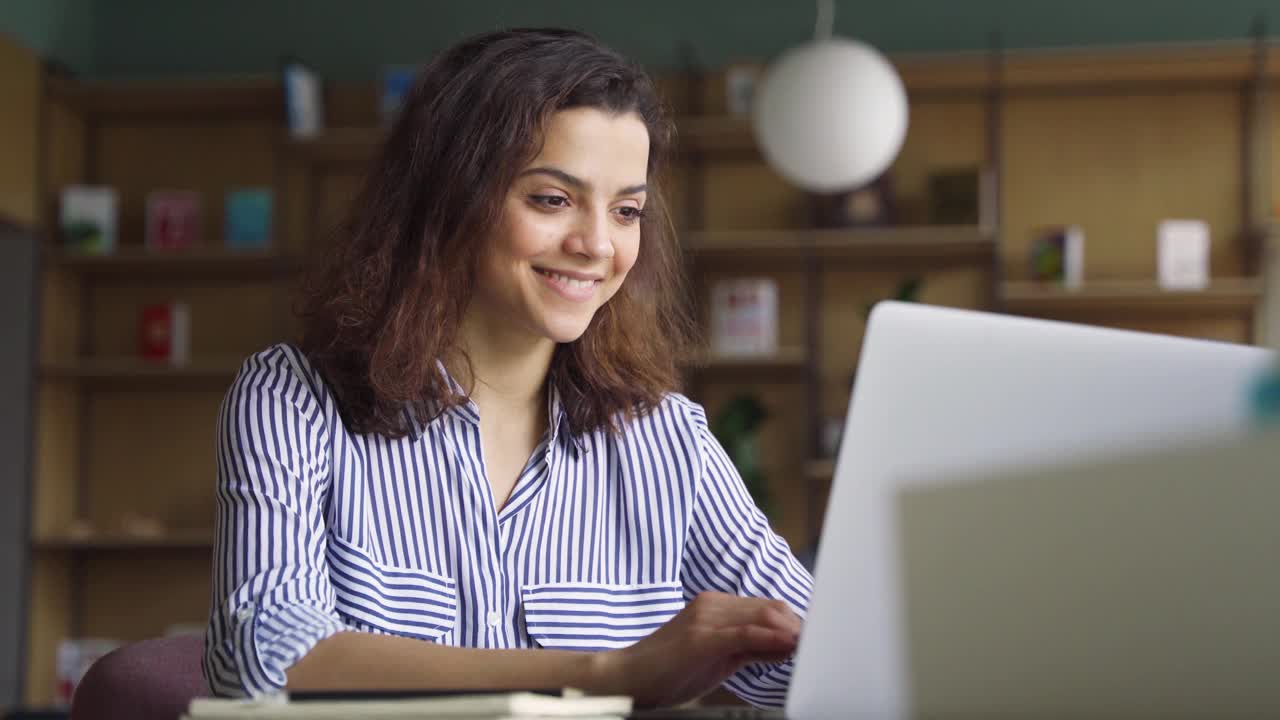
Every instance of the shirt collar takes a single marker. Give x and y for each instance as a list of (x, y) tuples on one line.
[(558, 423)]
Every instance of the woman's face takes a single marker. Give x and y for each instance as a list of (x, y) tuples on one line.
[(570, 227)]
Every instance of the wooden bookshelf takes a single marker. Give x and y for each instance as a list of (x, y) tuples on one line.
[(1174, 131), (1224, 295), (116, 435), (208, 262)]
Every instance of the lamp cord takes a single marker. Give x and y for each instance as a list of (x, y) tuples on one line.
[(826, 20)]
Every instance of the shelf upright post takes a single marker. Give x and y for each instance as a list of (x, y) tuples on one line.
[(1260, 254), (989, 202)]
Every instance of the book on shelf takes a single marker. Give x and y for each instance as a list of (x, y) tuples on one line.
[(744, 317), (248, 220), (164, 333), (376, 705), (1057, 256), (174, 219), (1182, 254)]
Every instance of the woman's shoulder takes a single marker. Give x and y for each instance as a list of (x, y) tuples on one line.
[(280, 367), (679, 411)]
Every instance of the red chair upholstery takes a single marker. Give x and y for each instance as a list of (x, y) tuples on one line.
[(149, 680)]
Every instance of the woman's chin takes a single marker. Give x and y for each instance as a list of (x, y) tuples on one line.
[(565, 330)]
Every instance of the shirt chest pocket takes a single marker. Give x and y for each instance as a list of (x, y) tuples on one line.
[(378, 597), (588, 616)]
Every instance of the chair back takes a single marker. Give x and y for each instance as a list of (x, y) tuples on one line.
[(153, 679)]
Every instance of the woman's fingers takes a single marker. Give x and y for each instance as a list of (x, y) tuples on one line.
[(719, 609), (752, 642)]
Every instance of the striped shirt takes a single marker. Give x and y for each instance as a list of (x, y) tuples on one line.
[(603, 539)]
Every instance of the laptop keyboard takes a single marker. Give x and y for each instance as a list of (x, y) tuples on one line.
[(708, 713)]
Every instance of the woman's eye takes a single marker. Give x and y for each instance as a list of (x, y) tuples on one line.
[(630, 214), (550, 201)]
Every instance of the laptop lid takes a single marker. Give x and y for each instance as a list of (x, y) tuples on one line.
[(942, 391)]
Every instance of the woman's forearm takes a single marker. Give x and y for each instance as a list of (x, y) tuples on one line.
[(365, 661)]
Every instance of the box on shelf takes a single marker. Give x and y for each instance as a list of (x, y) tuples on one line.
[(740, 82), (1182, 254), (164, 333), (88, 216), (303, 99), (396, 82), (744, 317), (173, 219), (248, 221), (1057, 256), (871, 205), (954, 196)]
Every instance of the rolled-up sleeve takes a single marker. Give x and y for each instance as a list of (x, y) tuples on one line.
[(272, 599), (732, 549)]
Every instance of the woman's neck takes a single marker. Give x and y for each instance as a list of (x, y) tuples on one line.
[(507, 372)]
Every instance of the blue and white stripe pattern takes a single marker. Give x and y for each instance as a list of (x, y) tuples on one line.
[(603, 539)]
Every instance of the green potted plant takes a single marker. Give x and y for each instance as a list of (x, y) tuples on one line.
[(737, 427)]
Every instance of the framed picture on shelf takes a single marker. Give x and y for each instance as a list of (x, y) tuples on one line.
[(88, 217)]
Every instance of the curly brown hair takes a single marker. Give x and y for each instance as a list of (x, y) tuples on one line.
[(385, 303)]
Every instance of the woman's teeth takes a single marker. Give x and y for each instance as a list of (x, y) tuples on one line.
[(566, 280)]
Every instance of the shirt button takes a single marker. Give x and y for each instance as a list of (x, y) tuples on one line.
[(494, 618), (245, 612)]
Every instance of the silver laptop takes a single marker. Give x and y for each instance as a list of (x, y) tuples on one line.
[(944, 393), (947, 392)]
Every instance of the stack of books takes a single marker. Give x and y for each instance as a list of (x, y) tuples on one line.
[(408, 705)]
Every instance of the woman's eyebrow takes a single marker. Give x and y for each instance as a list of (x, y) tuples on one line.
[(578, 183)]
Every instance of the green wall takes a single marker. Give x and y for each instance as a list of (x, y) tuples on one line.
[(352, 39), (61, 30)]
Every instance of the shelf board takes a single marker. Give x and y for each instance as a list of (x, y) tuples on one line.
[(904, 244), (247, 95), (198, 261), (356, 145), (786, 359), (338, 146), (820, 470), (714, 134), (1223, 295), (186, 540), (132, 369)]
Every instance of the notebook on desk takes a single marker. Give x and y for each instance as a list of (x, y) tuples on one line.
[(400, 706)]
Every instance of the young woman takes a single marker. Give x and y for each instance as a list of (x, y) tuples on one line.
[(473, 471)]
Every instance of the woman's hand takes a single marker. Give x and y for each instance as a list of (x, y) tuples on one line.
[(711, 639)]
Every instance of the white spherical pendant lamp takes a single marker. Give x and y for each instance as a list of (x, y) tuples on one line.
[(831, 115)]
